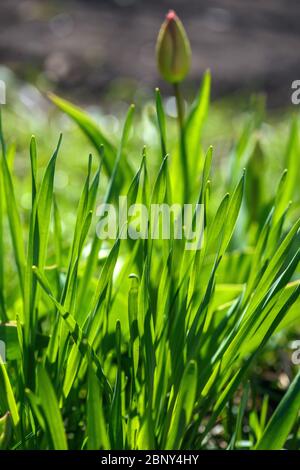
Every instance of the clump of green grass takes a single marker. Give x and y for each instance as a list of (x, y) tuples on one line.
[(141, 344)]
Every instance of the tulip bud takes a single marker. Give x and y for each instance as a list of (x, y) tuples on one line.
[(173, 49)]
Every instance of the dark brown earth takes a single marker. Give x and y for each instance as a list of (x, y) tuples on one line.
[(85, 47)]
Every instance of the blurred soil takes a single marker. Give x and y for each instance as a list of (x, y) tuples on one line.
[(84, 48)]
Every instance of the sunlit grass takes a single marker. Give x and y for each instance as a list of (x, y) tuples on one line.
[(141, 344)]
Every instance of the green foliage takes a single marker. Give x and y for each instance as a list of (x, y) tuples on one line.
[(141, 344)]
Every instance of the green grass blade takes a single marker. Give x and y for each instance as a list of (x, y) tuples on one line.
[(76, 332), (96, 425), (94, 134), (282, 420), (183, 408), (233, 212), (7, 398), (51, 410), (14, 221), (116, 425)]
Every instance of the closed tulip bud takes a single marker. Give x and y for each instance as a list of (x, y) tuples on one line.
[(173, 49)]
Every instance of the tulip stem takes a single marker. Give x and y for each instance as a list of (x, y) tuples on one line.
[(183, 152)]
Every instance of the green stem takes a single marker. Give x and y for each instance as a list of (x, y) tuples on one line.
[(183, 152)]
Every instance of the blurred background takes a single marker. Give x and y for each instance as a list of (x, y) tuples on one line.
[(85, 49), (100, 54)]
